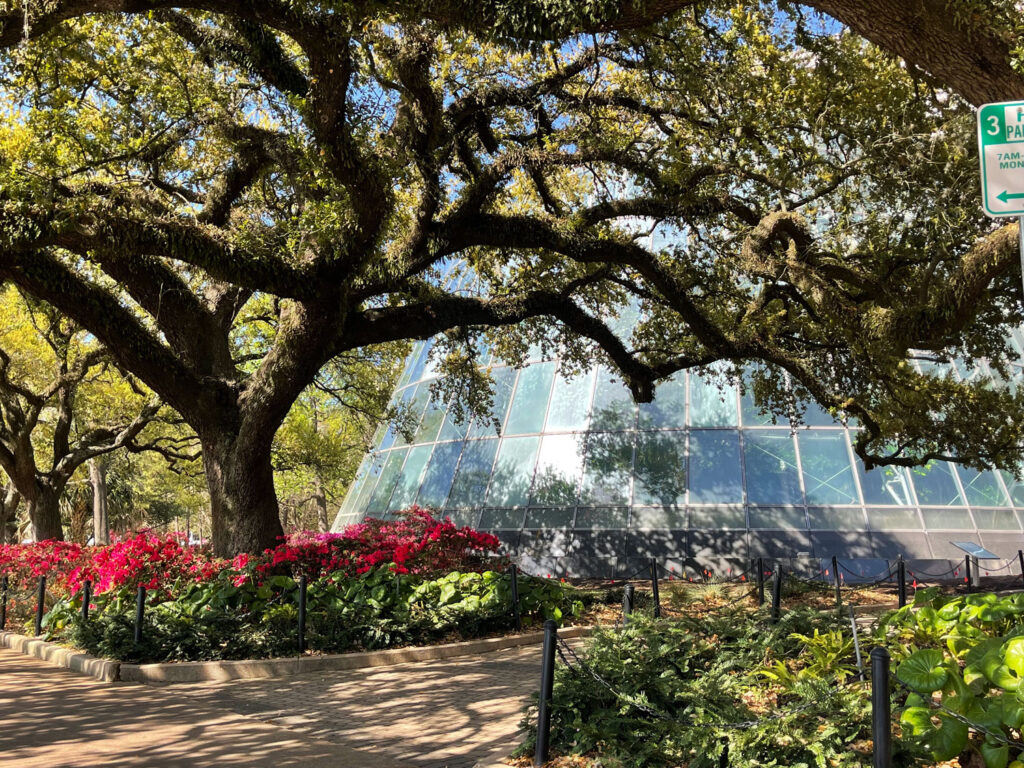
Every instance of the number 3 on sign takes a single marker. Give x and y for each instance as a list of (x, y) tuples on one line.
[(994, 127)]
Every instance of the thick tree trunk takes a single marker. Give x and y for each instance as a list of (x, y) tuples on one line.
[(320, 498), (243, 503), (100, 522), (44, 512), (8, 511)]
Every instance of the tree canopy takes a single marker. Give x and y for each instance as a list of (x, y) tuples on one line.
[(230, 195)]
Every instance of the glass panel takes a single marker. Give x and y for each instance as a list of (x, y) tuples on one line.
[(357, 484), (996, 519), (531, 399), (450, 430), (828, 475), (777, 517), (715, 474), (816, 416), (549, 518), (462, 517), (669, 406), (947, 519), (609, 468), (1015, 486), (503, 379), (513, 472), (613, 403), (836, 519), (431, 423), (418, 403), (657, 517), (660, 474), (602, 517), (474, 472), (420, 352), (712, 405), (409, 479), (771, 467), (386, 484), (558, 471), (570, 403), (501, 519), (935, 485), (884, 485), (752, 415), (893, 519), (982, 488), (718, 517), (376, 465), (438, 477)]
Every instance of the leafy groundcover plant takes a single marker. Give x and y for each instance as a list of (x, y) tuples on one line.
[(730, 688)]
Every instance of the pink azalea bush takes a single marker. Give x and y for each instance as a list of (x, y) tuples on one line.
[(413, 543)]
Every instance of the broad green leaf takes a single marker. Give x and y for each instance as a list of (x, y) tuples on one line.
[(924, 671)]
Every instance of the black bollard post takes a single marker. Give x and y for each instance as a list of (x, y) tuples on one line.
[(40, 600), (1020, 558), (760, 581), (86, 597), (627, 604), (547, 683), (776, 592), (967, 571), (140, 611), (901, 581), (302, 613), (881, 730), (654, 588), (835, 578), (3, 605), (513, 571)]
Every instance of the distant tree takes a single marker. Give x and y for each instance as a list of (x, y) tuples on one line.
[(164, 165)]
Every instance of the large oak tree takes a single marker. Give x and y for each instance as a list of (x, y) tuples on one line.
[(163, 163)]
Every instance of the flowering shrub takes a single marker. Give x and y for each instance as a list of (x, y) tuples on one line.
[(23, 564), (414, 543)]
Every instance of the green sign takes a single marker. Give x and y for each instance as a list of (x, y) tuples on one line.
[(1001, 146)]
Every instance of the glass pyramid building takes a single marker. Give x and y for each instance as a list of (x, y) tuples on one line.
[(583, 482)]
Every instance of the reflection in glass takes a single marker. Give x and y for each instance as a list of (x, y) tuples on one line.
[(549, 518), (502, 519), (712, 405), (613, 403), (570, 403), (996, 520), (828, 475), (753, 416), (503, 379), (386, 484), (1015, 486), (601, 517), (513, 472), (409, 478), (777, 517), (982, 488), (893, 519), (945, 518), (432, 420), (731, 516), (657, 517), (669, 406), (474, 471), (836, 519), (609, 468), (771, 467), (660, 476), (935, 485), (558, 471), (715, 475), (885, 485), (438, 478), (531, 399)]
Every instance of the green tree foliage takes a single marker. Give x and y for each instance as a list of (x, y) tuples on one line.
[(229, 200)]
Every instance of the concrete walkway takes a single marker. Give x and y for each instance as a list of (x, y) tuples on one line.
[(454, 713)]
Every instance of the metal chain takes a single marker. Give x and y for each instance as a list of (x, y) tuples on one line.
[(954, 569), (880, 580), (978, 727)]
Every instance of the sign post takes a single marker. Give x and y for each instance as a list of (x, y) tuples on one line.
[(1001, 147)]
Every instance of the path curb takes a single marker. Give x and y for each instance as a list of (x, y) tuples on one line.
[(104, 670), (219, 671)]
